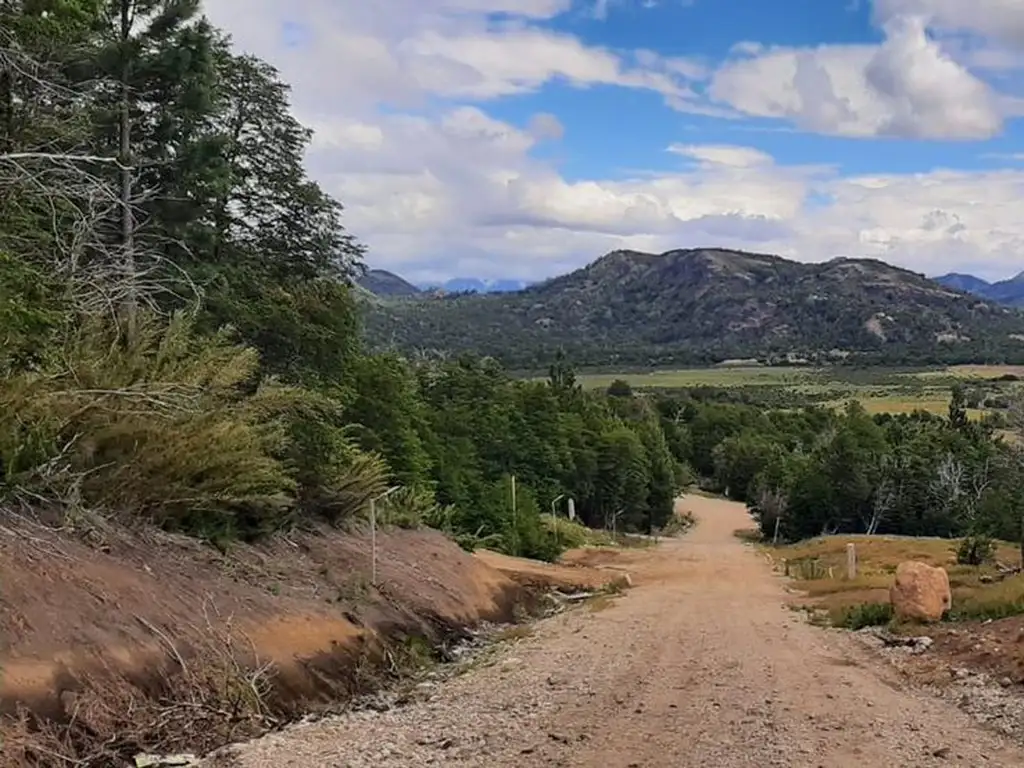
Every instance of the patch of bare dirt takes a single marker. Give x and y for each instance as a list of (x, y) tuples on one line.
[(154, 642), (702, 664), (576, 570)]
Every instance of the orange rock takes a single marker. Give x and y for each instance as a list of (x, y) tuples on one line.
[(921, 592)]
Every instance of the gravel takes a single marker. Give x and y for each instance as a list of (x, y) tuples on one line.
[(700, 664)]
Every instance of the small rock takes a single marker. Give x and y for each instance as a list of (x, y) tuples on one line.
[(942, 752)]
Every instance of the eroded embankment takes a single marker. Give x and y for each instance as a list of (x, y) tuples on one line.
[(156, 643)]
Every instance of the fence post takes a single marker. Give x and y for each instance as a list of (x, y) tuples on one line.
[(851, 561)]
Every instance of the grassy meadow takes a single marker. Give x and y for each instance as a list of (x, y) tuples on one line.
[(817, 568), (879, 390)]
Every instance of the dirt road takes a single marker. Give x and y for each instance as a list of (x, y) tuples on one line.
[(701, 664)]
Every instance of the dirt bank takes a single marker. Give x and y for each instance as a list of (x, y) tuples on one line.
[(701, 664), (153, 642)]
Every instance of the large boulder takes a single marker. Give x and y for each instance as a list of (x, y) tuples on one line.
[(921, 592)]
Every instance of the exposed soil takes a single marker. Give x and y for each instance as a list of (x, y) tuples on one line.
[(158, 642), (993, 647), (702, 664)]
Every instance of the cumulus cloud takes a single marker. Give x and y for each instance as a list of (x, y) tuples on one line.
[(398, 92), (404, 52), (996, 19), (907, 87)]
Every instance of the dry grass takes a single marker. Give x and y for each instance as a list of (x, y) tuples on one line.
[(930, 402), (986, 371), (722, 376), (818, 568)]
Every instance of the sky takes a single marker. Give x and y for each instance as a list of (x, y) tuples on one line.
[(524, 138)]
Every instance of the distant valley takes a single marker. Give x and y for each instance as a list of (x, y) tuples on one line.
[(699, 306)]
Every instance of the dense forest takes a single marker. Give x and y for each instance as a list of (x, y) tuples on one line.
[(180, 338)]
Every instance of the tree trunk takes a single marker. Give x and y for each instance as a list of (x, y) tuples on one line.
[(125, 162)]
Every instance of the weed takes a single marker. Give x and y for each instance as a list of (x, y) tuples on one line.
[(992, 601), (806, 569), (865, 615), (354, 589), (679, 524)]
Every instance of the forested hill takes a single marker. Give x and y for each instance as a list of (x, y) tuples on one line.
[(382, 283), (688, 306)]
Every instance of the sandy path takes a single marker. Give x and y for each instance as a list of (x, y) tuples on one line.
[(699, 665)]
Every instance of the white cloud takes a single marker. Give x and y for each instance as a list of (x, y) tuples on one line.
[(996, 19), (438, 187), (721, 154), (906, 87), (402, 52)]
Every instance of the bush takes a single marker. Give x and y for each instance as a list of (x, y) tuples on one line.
[(570, 534), (175, 428), (975, 550), (866, 615)]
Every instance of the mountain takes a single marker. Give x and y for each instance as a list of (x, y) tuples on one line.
[(476, 285), (1009, 291), (965, 283), (704, 305), (1006, 291), (382, 283)]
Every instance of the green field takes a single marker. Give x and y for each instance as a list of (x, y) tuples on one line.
[(879, 390)]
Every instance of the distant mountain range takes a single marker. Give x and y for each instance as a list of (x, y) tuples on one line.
[(386, 284), (1005, 291), (705, 305)]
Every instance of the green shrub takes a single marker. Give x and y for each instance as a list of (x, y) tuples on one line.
[(975, 550), (570, 534), (176, 428), (866, 615)]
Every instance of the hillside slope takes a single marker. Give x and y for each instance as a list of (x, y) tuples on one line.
[(382, 283), (702, 305), (157, 643)]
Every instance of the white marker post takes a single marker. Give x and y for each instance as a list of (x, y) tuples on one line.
[(851, 561)]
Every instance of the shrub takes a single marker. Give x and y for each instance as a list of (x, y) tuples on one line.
[(570, 534), (975, 550), (159, 426), (865, 615), (177, 428)]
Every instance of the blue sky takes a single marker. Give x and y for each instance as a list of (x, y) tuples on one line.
[(522, 138)]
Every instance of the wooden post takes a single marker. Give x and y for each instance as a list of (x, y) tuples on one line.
[(775, 538), (851, 561)]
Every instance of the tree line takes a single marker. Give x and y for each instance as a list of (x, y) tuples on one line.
[(812, 471), (180, 342)]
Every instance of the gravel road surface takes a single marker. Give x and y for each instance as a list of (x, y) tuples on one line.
[(700, 664)]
